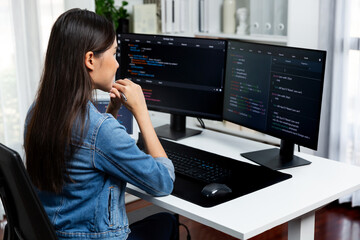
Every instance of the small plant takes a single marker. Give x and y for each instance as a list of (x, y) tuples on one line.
[(122, 12), (107, 9)]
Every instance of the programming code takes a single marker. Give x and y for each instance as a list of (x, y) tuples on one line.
[(177, 75), (275, 90)]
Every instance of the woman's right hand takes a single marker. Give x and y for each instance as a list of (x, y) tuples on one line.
[(135, 102), (134, 97)]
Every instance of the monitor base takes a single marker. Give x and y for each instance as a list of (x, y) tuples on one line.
[(166, 132), (272, 159)]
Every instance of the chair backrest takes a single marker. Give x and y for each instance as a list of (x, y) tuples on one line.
[(25, 214)]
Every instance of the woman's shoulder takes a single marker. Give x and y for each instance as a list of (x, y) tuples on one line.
[(94, 112), (96, 118), (102, 121)]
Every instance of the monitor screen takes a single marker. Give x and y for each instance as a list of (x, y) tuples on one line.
[(178, 75), (276, 90)]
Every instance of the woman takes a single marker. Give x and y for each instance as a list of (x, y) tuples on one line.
[(79, 159)]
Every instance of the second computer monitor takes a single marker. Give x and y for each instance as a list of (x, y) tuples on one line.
[(180, 76), (278, 91)]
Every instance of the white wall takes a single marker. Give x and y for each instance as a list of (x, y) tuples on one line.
[(83, 4)]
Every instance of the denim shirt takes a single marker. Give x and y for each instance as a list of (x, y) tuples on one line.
[(92, 205)]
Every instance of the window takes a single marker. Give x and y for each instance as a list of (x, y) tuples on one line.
[(351, 92), (48, 11), (9, 101), (20, 59)]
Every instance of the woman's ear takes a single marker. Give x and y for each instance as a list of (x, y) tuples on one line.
[(89, 60)]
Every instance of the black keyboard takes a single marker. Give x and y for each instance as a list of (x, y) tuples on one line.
[(194, 163), (194, 167)]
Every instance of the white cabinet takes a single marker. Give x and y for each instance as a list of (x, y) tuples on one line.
[(303, 23)]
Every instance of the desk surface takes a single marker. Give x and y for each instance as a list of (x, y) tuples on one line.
[(310, 188)]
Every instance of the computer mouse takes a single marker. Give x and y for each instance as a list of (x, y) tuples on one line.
[(215, 190)]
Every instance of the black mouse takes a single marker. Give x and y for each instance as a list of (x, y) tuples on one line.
[(215, 190)]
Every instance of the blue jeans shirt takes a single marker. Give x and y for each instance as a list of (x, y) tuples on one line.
[(92, 206)]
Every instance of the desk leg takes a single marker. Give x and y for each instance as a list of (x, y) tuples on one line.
[(302, 228)]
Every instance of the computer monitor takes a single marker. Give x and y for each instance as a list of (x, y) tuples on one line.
[(181, 76), (275, 90)]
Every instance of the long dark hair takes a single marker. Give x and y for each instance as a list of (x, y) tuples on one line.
[(64, 91)]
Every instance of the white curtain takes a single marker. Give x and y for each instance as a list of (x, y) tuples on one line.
[(25, 26), (345, 104)]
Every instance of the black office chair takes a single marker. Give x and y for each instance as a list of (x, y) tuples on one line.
[(26, 217)]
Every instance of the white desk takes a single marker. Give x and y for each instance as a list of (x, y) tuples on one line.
[(294, 200)]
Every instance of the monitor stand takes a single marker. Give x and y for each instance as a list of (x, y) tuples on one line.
[(275, 158), (177, 129)]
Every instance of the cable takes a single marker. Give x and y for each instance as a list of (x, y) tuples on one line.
[(187, 230), (201, 122)]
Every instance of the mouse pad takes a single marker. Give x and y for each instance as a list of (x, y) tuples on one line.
[(246, 178)]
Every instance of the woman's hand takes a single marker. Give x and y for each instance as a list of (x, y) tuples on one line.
[(115, 102), (133, 98), (135, 101), (115, 98)]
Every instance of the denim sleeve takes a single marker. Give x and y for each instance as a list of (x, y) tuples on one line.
[(168, 164), (116, 154)]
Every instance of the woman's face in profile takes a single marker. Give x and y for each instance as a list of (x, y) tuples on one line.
[(105, 68)]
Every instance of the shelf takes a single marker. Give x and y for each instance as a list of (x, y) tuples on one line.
[(256, 38), (183, 34), (301, 31), (272, 39)]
